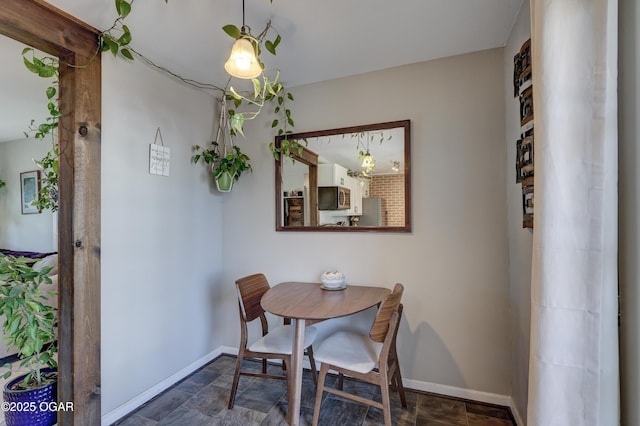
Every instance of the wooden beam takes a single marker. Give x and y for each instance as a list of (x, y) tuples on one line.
[(47, 28)]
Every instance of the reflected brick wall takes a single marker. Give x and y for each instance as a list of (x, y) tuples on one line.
[(391, 189)]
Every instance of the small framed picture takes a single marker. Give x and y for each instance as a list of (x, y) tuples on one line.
[(526, 106), (29, 191), (527, 202)]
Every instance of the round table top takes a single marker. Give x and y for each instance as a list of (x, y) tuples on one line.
[(303, 300)]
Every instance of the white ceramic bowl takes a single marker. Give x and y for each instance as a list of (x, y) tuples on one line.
[(332, 279)]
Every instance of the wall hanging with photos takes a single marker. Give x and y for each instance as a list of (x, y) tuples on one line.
[(522, 88)]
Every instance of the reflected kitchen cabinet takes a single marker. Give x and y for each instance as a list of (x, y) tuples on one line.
[(294, 211), (332, 175)]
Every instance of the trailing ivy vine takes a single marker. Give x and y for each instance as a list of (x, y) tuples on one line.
[(117, 40), (46, 67)]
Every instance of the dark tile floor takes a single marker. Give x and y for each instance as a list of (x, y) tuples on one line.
[(201, 399)]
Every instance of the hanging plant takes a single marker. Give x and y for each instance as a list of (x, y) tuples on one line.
[(247, 104), (226, 160), (230, 167)]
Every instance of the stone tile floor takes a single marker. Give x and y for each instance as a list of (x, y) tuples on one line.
[(201, 399)]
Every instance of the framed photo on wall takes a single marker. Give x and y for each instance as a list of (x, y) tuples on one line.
[(523, 88), (29, 190)]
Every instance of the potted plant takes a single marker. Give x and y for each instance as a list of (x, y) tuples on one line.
[(226, 159), (232, 163), (226, 167), (29, 328)]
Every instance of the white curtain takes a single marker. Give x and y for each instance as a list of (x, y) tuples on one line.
[(573, 371)]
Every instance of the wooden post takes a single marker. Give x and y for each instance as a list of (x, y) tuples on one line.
[(38, 24)]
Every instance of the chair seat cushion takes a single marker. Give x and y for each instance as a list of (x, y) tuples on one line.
[(280, 340), (350, 350)]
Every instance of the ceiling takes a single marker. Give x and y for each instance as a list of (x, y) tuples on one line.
[(386, 146), (321, 39)]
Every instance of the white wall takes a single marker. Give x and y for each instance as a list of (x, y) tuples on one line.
[(520, 239), (629, 227), (454, 263), (28, 232), (161, 242)]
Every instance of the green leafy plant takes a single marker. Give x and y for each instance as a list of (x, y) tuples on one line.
[(46, 67), (48, 194), (2, 183), (29, 324), (223, 156), (288, 147), (234, 161), (247, 104), (117, 39), (265, 91)]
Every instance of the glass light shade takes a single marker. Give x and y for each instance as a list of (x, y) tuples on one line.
[(242, 62), (368, 161)]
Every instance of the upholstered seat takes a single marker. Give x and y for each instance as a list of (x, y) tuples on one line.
[(349, 350), (280, 340), (274, 344)]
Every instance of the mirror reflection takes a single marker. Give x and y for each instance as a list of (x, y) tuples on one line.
[(24, 231), (349, 179)]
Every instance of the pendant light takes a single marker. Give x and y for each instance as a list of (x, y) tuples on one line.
[(242, 62), (368, 161)]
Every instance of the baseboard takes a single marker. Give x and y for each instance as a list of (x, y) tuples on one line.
[(474, 395), (516, 414), (121, 411)]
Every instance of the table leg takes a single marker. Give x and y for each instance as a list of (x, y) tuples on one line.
[(295, 391)]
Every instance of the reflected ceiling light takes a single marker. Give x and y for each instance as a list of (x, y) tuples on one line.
[(368, 162), (242, 62)]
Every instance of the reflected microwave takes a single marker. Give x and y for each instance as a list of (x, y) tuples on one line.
[(334, 198)]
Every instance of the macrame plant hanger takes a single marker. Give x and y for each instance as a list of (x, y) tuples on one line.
[(225, 145), (223, 137)]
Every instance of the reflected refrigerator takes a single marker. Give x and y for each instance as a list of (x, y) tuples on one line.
[(371, 212)]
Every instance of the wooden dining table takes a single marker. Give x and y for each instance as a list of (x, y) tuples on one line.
[(303, 301)]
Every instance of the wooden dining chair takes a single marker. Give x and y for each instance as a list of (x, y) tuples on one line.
[(274, 344), (356, 355)]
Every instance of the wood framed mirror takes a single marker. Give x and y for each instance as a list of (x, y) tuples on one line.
[(351, 179), (46, 28)]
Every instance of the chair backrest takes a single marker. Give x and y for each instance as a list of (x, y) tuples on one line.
[(388, 306), (250, 290)]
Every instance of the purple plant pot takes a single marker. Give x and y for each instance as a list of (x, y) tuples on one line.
[(30, 407)]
